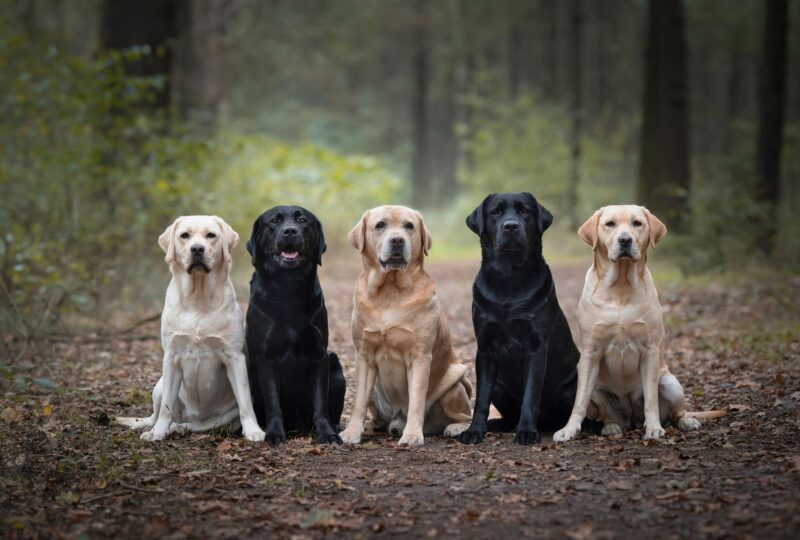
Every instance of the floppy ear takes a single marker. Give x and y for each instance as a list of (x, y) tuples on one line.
[(167, 241), (545, 217), (358, 233), (588, 231), (475, 221), (657, 228), (230, 239), (321, 245), (252, 244), (425, 235)]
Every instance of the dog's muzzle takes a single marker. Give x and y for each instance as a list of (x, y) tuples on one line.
[(198, 259), (510, 236), (395, 254), (625, 248), (288, 252)]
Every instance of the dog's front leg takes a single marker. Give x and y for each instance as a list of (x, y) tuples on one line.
[(486, 373), (236, 368), (268, 384), (366, 373), (535, 369), (650, 374), (588, 368), (323, 432), (418, 373), (172, 375)]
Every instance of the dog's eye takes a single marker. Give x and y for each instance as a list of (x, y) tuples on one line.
[(611, 223), (380, 225), (301, 219), (409, 226), (496, 212), (275, 220), (211, 235), (637, 223), (524, 211), (185, 236)]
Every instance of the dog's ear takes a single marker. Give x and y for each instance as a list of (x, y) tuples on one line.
[(476, 220), (358, 233), (252, 244), (657, 228), (425, 235), (588, 231), (230, 238), (321, 245), (167, 241), (545, 217)]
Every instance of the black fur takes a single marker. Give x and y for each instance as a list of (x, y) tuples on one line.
[(296, 382), (526, 360)]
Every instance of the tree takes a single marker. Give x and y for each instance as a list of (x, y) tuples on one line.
[(420, 171), (664, 152), (576, 110), (772, 98)]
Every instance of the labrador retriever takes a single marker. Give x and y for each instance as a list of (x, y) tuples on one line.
[(298, 384), (623, 378), (203, 382), (526, 359), (407, 373)]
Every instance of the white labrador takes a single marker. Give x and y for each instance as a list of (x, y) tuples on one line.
[(203, 383)]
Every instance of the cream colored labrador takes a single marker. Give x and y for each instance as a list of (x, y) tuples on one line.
[(407, 373), (203, 382), (623, 378)]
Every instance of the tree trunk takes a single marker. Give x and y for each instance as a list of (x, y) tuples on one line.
[(664, 157), (772, 98), (420, 171), (146, 23), (576, 23)]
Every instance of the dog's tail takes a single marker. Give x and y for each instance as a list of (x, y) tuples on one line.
[(137, 424), (706, 415)]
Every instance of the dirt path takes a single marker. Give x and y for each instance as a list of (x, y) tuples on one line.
[(67, 472)]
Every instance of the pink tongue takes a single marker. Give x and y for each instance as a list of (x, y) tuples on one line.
[(289, 254)]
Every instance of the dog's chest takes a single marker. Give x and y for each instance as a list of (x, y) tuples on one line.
[(625, 348), (386, 333)]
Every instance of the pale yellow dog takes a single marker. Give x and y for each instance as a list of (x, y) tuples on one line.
[(623, 378), (407, 373)]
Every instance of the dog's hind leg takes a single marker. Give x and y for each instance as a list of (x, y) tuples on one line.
[(671, 404), (207, 424), (139, 424), (337, 387), (605, 407)]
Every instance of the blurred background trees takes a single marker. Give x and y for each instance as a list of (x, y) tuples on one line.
[(119, 115)]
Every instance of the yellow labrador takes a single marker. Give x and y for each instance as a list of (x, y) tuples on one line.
[(623, 378), (203, 382), (406, 370)]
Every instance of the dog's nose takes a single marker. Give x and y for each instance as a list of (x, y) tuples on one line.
[(397, 241), (197, 249), (290, 231), (625, 240), (511, 226)]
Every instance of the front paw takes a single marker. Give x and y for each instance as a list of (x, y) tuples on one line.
[(653, 433), (565, 434), (153, 435), (412, 439), (527, 437), (276, 436), (324, 434), (351, 435), (611, 429), (254, 435), (472, 436), (688, 423)]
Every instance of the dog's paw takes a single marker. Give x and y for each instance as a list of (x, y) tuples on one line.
[(255, 435), (275, 437), (454, 430), (688, 423), (153, 435), (611, 429), (471, 436), (527, 437), (565, 434), (350, 436), (327, 438), (412, 439), (179, 429), (653, 433)]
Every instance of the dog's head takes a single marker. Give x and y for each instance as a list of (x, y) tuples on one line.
[(391, 237), (286, 237), (510, 224), (199, 243), (622, 231)]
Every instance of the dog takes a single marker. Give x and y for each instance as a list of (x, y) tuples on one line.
[(526, 359), (203, 382), (623, 378), (298, 384), (401, 337)]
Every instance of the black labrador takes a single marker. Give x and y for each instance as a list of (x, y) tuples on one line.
[(296, 382), (526, 360)]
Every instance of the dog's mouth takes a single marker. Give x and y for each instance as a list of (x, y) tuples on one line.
[(288, 258), (198, 264), (395, 261), (625, 255)]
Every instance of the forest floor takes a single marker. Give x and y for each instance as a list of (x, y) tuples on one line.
[(733, 343)]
